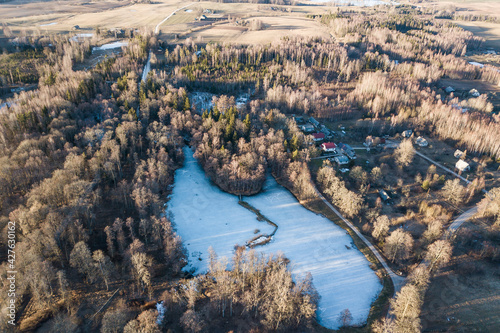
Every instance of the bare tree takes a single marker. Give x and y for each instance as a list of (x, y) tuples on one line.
[(438, 254), (81, 259), (453, 191), (114, 321), (404, 153), (398, 245), (384, 325), (406, 309), (345, 318), (104, 265), (381, 227), (192, 321), (434, 231)]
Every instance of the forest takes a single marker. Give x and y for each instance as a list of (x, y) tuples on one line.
[(87, 161)]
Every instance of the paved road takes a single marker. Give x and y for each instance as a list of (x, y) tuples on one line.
[(398, 281), (157, 28)]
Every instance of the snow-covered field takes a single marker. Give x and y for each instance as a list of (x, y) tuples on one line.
[(205, 216)]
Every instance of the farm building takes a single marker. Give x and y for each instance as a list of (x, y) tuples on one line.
[(329, 147), (318, 137), (347, 150), (462, 166), (422, 142)]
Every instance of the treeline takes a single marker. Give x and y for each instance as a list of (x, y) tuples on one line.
[(236, 147), (85, 181), (405, 101), (257, 293)]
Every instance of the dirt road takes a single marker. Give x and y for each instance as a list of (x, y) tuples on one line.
[(157, 28), (397, 281)]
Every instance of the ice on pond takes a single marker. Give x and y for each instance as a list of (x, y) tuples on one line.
[(205, 216)]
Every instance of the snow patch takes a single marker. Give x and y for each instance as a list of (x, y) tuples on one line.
[(476, 64), (76, 38), (109, 46), (48, 24), (161, 312), (205, 216)]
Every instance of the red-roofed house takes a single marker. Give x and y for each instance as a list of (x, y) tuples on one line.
[(318, 137), (328, 147)]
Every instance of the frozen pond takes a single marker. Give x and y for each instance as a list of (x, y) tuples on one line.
[(205, 216)]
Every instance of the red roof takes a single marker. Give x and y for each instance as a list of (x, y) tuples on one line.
[(319, 135), (328, 145)]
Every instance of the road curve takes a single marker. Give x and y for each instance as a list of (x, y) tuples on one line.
[(397, 281), (157, 28), (464, 217)]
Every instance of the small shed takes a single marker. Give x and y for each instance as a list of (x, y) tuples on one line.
[(385, 197), (449, 89), (458, 153), (474, 93), (422, 142), (462, 166), (407, 133)]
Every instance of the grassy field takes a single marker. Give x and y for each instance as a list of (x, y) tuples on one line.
[(278, 21), (489, 31), (35, 16)]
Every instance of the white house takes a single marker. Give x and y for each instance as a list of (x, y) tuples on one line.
[(462, 166)]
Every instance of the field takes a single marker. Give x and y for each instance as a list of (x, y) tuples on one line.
[(278, 21), (274, 29), (341, 274), (489, 31), (51, 18)]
